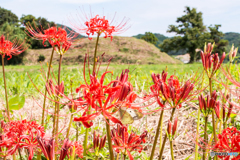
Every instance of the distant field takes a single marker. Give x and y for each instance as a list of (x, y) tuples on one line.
[(18, 81)]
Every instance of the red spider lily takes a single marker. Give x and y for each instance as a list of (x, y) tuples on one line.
[(8, 48), (211, 63), (155, 89), (98, 143), (125, 143), (104, 99), (78, 149), (57, 37), (171, 90), (67, 144), (98, 25), (21, 134), (47, 147), (54, 90), (228, 141), (209, 104), (95, 93)]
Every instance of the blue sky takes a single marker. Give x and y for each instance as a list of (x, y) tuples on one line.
[(145, 15)]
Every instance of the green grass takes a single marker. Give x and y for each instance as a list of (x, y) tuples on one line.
[(18, 81)]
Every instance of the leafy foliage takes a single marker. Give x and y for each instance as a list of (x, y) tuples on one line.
[(8, 16), (216, 35), (149, 37), (13, 33), (191, 34)]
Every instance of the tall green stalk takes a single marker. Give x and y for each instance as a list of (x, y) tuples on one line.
[(213, 112), (198, 123), (110, 148), (205, 138), (70, 124), (95, 54), (5, 87), (87, 129), (45, 93), (171, 148), (58, 108), (157, 135), (213, 115), (165, 138)]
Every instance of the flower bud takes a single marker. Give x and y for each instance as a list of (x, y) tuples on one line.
[(175, 126), (230, 110), (169, 127), (217, 110), (103, 141)]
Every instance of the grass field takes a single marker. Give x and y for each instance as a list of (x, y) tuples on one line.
[(18, 81)]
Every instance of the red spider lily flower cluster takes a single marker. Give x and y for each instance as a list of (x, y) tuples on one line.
[(172, 129), (57, 37), (211, 63), (210, 104), (47, 146), (65, 150), (125, 143), (228, 142), (54, 90), (8, 48), (20, 134), (155, 89), (98, 143), (98, 25), (100, 97), (171, 90), (78, 149)]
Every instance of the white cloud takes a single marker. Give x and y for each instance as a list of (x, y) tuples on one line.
[(85, 1)]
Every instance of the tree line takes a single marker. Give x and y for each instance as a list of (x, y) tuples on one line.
[(191, 35), (13, 28)]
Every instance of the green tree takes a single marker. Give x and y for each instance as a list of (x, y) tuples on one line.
[(13, 33), (191, 34), (216, 36), (150, 37), (8, 16)]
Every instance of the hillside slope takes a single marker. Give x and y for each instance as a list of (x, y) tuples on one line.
[(128, 50)]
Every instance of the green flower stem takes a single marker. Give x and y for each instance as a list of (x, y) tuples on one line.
[(54, 119), (213, 112), (5, 87), (157, 135), (160, 140), (206, 139), (70, 124), (58, 108), (45, 93), (39, 156), (19, 153), (198, 122), (171, 147), (76, 131), (110, 148), (165, 138), (94, 68), (96, 158), (117, 156), (85, 141), (95, 53)]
